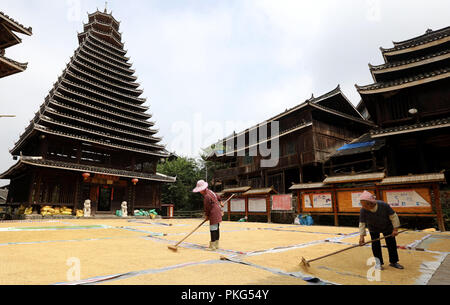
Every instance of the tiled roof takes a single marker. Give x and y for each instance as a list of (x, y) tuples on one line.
[(425, 178), (405, 82), (9, 61), (307, 186), (418, 60), (16, 25), (355, 178), (86, 168), (439, 123), (263, 191), (429, 36), (236, 190)]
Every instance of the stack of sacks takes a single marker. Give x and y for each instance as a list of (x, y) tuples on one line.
[(80, 213), (21, 210), (28, 211), (66, 211), (47, 211)]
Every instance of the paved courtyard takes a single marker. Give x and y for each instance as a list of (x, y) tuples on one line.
[(135, 252)]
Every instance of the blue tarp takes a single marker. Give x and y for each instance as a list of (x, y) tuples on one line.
[(357, 145)]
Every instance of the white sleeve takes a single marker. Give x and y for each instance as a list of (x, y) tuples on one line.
[(395, 220), (362, 229)]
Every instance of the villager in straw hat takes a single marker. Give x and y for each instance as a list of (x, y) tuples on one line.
[(213, 212), (379, 217)]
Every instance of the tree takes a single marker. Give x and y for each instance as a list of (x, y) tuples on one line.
[(188, 172)]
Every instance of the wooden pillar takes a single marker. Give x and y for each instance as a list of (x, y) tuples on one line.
[(269, 209), (299, 202), (31, 188), (38, 187), (76, 194), (300, 169), (246, 207), (374, 161), (133, 196), (335, 207), (438, 206)]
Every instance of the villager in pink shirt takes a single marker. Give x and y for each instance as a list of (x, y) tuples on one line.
[(213, 212)]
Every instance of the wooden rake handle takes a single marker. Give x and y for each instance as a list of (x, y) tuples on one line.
[(225, 202), (352, 247), (204, 221)]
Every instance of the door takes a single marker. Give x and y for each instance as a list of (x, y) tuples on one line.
[(104, 200)]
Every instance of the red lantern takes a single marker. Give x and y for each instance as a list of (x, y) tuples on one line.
[(86, 176), (135, 181)]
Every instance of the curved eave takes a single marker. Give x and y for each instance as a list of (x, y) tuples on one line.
[(130, 78), (95, 70), (16, 26), (386, 68), (29, 131), (92, 49), (343, 115), (97, 22), (103, 126), (125, 70), (86, 168), (403, 83), (121, 115), (142, 108), (98, 133), (105, 46), (144, 115), (105, 15), (9, 37), (326, 96), (428, 33), (9, 66), (436, 124), (334, 93), (104, 118), (413, 47), (93, 32), (132, 91), (117, 93), (102, 143)]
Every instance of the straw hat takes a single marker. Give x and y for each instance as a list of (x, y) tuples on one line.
[(201, 186)]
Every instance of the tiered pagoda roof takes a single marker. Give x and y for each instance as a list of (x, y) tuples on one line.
[(412, 62), (8, 38), (97, 100)]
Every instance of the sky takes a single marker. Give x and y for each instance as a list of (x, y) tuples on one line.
[(211, 67)]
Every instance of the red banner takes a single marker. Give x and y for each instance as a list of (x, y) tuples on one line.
[(282, 203)]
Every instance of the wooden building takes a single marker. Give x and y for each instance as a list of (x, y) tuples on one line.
[(91, 138), (308, 134), (8, 38), (409, 102)]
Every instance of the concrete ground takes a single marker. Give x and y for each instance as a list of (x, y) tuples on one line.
[(135, 252)]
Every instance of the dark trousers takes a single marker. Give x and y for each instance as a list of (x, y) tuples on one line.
[(215, 235), (391, 244)]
